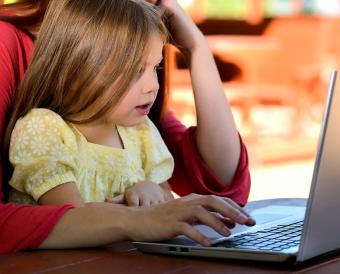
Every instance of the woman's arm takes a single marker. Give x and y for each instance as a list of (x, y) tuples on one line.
[(103, 223), (106, 223)]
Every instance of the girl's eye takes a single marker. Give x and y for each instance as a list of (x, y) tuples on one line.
[(140, 72), (158, 67)]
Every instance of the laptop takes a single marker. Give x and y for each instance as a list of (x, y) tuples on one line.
[(296, 233)]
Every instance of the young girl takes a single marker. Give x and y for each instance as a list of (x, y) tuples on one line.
[(206, 161), (81, 130)]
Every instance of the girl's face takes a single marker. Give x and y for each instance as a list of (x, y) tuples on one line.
[(142, 92)]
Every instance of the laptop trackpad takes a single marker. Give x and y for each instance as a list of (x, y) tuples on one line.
[(263, 216)]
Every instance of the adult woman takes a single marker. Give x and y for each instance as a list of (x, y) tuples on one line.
[(15, 54)]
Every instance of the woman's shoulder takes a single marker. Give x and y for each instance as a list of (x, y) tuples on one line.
[(11, 34), (15, 52), (7, 30)]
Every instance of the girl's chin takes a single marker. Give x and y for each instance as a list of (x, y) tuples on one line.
[(133, 122)]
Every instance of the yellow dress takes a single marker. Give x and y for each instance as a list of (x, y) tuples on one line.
[(47, 151)]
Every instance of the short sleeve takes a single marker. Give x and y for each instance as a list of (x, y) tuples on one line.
[(157, 160), (17, 233), (42, 152)]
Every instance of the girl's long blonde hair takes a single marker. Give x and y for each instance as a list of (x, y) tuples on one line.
[(83, 47)]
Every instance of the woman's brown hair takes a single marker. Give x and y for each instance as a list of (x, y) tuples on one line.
[(83, 47)]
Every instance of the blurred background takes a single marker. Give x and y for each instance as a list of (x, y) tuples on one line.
[(275, 58)]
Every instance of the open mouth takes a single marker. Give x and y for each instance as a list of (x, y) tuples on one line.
[(146, 106), (144, 109)]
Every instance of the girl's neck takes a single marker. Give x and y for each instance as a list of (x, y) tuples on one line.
[(102, 134)]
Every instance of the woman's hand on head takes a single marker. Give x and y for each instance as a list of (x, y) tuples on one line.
[(144, 194), (176, 217), (184, 34)]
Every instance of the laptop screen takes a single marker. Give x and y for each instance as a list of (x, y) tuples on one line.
[(322, 225)]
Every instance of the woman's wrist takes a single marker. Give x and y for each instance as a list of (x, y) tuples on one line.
[(125, 222)]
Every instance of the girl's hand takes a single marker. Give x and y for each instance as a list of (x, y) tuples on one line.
[(144, 194), (184, 33), (167, 220)]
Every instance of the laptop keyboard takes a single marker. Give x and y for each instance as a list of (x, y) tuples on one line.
[(276, 238)]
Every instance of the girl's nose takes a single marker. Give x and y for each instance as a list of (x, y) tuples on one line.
[(152, 84)]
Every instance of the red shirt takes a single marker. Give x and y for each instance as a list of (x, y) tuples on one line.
[(23, 226)]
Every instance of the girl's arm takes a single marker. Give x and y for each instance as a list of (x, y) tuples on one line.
[(216, 136), (144, 194), (66, 193), (192, 174), (140, 194)]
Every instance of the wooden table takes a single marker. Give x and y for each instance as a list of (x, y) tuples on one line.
[(124, 258)]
